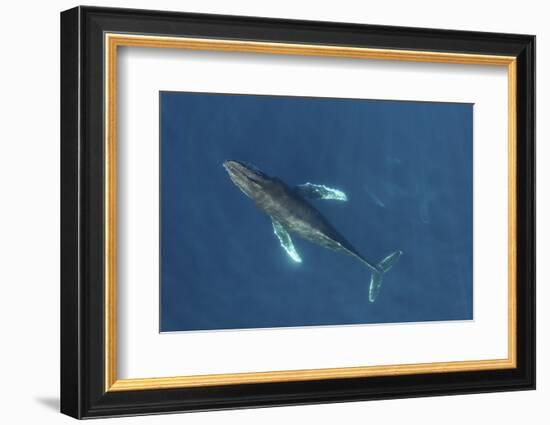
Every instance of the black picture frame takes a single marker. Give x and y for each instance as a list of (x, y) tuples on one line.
[(83, 392)]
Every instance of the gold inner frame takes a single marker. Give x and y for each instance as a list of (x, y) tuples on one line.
[(113, 41)]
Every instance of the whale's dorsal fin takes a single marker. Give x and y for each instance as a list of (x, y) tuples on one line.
[(320, 191), (285, 240)]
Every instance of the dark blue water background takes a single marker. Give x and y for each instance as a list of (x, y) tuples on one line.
[(406, 168)]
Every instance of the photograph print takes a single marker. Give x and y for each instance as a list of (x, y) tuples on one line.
[(287, 211)]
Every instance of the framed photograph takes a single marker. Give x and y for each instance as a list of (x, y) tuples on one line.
[(261, 212)]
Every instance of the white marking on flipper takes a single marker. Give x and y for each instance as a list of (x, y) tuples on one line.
[(286, 241), (320, 191)]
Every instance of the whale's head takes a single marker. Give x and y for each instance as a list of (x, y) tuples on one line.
[(247, 177)]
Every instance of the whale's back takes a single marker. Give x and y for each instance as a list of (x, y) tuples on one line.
[(301, 218)]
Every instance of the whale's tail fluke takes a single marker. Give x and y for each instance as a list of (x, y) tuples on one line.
[(381, 268)]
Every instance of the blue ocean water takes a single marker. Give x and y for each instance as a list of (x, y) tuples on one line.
[(406, 168)]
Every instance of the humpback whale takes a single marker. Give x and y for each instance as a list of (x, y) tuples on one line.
[(292, 213)]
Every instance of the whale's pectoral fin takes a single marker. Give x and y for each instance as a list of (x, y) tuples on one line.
[(320, 191), (286, 241)]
